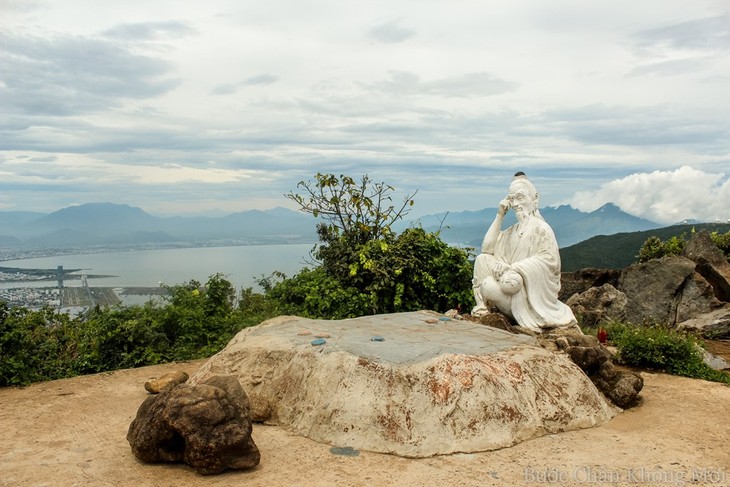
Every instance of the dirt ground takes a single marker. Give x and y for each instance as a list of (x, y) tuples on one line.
[(72, 432)]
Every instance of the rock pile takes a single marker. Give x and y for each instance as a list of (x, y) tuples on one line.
[(622, 387)]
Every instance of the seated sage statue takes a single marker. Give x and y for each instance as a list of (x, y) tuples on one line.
[(519, 268)]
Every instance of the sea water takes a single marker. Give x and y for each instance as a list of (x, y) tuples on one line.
[(241, 265)]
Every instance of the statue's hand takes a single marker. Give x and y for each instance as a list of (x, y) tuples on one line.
[(500, 268), (503, 207)]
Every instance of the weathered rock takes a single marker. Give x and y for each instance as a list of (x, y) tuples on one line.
[(206, 426), (713, 361), (697, 297), (651, 288), (599, 304), (580, 281), (711, 263), (715, 324), (622, 388), (497, 319), (166, 382), (454, 386)]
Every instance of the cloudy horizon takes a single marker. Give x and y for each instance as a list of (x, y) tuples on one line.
[(182, 107)]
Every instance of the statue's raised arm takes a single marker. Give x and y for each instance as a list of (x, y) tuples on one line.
[(519, 268)]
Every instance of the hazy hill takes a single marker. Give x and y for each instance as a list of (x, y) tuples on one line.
[(107, 223), (9, 219), (570, 225), (97, 220), (620, 250)]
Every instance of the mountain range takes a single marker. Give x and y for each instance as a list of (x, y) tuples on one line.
[(570, 225), (100, 224)]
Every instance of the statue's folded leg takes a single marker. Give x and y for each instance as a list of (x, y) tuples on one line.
[(491, 290), (486, 287), (482, 270)]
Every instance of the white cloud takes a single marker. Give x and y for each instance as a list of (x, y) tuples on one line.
[(664, 196), (390, 32)]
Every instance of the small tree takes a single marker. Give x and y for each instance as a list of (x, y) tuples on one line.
[(365, 267), (359, 211)]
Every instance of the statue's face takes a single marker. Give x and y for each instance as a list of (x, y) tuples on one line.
[(521, 200)]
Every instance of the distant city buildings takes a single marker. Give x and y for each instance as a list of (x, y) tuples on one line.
[(31, 297), (19, 276)]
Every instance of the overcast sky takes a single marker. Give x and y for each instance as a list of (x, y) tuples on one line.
[(184, 107)]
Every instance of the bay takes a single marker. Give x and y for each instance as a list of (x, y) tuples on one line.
[(241, 265)]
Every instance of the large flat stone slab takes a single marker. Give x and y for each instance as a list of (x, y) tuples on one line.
[(430, 387)]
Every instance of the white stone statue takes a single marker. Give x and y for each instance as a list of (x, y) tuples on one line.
[(519, 268)]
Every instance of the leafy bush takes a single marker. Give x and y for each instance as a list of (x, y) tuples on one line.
[(194, 322), (722, 240), (35, 345), (658, 347), (415, 270)]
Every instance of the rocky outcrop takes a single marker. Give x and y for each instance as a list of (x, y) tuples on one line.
[(691, 290), (697, 297), (430, 385), (715, 324), (581, 281), (711, 263), (206, 426), (652, 288)]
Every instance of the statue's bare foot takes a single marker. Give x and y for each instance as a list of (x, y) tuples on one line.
[(480, 311)]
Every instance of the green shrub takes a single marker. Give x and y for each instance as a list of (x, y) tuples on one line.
[(660, 348), (412, 271), (722, 240), (655, 248), (194, 322), (35, 345)]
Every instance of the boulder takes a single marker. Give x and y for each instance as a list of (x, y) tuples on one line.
[(430, 385), (715, 324), (599, 304), (713, 361), (711, 263), (580, 281), (651, 288), (697, 297), (206, 426)]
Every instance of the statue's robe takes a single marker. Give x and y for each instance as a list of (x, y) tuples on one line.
[(531, 249)]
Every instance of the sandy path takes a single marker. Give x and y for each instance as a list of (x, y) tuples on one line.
[(72, 432)]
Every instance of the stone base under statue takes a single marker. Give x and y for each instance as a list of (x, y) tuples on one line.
[(412, 384)]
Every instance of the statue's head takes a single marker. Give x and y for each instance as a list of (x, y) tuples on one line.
[(523, 196)]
